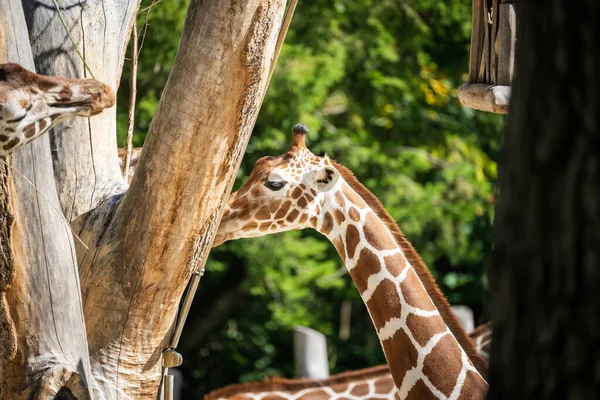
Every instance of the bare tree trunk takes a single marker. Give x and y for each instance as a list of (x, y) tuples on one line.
[(546, 275), (160, 232), (41, 282), (144, 242)]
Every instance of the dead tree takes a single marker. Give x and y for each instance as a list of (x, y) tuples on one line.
[(91, 318)]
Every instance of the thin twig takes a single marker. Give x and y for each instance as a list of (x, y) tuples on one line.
[(45, 199), (132, 96), (71, 38), (145, 22)]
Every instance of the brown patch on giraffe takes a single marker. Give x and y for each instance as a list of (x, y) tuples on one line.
[(447, 353), (354, 215), (297, 192), (377, 233), (339, 217), (313, 222), (46, 85), (309, 198), (65, 93), (367, 265), (263, 213), (395, 264), (423, 328), (361, 390), (327, 225), (283, 210), (292, 215), (43, 124), (274, 206), (403, 354), (10, 130), (384, 304), (302, 202), (353, 197), (303, 186), (250, 226), (313, 192), (264, 227), (316, 395), (339, 199), (29, 130), (303, 219), (384, 386), (420, 392), (352, 239), (4, 138), (11, 144), (23, 103), (414, 293), (475, 387), (255, 191)]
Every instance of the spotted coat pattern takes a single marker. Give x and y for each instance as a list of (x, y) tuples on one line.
[(424, 345)]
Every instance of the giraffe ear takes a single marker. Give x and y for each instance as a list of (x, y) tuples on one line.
[(326, 178)]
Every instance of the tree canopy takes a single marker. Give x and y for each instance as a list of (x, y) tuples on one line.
[(376, 83)]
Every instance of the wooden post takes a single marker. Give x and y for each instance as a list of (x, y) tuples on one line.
[(310, 353)]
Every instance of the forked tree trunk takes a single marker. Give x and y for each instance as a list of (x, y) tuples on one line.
[(145, 241), (546, 274), (41, 282)]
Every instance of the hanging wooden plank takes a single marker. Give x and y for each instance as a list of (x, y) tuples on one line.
[(484, 97), (476, 40), (506, 43), (494, 42)]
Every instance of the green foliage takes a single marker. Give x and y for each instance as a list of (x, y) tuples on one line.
[(376, 83)]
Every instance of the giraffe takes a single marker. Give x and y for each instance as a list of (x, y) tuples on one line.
[(31, 104), (428, 352), (369, 383)]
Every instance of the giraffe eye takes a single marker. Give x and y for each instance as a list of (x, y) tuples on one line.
[(275, 185)]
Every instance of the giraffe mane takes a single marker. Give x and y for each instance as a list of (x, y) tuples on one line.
[(283, 384), (419, 266)]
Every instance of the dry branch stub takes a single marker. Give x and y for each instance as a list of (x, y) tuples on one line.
[(491, 61)]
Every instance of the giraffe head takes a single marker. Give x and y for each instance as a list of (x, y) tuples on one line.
[(30, 104), (282, 193)]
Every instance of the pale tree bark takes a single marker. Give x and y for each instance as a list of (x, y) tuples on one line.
[(43, 309), (144, 242)]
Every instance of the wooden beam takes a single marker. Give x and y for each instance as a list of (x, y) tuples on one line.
[(506, 43), (483, 97), (476, 40)]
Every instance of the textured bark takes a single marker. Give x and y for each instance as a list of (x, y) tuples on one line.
[(145, 245), (86, 167), (41, 281), (145, 241), (546, 275)]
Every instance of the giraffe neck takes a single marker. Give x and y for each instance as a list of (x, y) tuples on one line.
[(425, 358)]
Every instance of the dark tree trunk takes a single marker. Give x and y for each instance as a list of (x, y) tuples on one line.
[(545, 278)]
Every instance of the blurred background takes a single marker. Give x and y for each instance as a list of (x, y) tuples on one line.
[(376, 82)]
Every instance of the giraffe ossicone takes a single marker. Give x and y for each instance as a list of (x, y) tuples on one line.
[(368, 383), (428, 352), (31, 104)]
